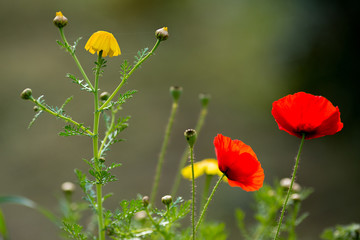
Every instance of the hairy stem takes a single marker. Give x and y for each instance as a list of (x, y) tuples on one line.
[(290, 188), (193, 193), (199, 124), (163, 151), (207, 202)]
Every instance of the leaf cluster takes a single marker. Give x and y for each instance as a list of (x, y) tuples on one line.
[(269, 201), (342, 232)]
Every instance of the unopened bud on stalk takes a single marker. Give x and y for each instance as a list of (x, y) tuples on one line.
[(36, 108), (145, 201), (101, 159), (26, 94), (104, 96), (68, 187), (285, 183), (60, 20), (204, 99), (162, 34), (190, 136), (296, 197), (175, 92), (167, 200)]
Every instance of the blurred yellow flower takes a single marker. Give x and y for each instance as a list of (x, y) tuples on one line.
[(207, 166), (104, 41)]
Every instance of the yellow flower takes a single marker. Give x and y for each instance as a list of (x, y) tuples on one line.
[(207, 166), (104, 41)]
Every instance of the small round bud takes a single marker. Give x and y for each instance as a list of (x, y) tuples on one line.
[(68, 187), (26, 94), (60, 20), (167, 200), (36, 108), (285, 183), (146, 201), (162, 33), (141, 215), (190, 136), (101, 159), (104, 96), (175, 92), (296, 197), (204, 99)]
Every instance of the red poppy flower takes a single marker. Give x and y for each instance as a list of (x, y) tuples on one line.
[(305, 113), (239, 163)]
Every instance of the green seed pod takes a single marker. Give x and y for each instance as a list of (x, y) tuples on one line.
[(175, 92), (204, 99)]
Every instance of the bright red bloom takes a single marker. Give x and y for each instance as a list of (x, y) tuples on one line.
[(305, 113), (239, 163)]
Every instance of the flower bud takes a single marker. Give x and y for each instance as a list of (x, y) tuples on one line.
[(26, 94), (139, 216), (285, 183), (68, 187), (36, 108), (162, 33), (104, 96), (101, 159), (175, 92), (60, 20), (296, 197), (204, 99), (167, 200), (145, 201), (190, 136)]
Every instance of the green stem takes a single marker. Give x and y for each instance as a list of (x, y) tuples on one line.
[(291, 185), (155, 223), (128, 75), (193, 193), (182, 163), (101, 228), (66, 119), (163, 151), (72, 53), (207, 202), (206, 190)]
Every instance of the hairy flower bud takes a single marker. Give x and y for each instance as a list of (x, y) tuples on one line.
[(26, 94), (296, 197), (102, 159), (36, 108), (60, 20), (104, 96), (204, 99), (145, 201), (190, 136), (162, 34), (167, 200), (175, 92)]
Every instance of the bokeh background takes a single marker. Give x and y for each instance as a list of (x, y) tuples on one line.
[(246, 54)]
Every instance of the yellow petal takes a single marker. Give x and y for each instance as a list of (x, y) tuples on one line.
[(105, 42)]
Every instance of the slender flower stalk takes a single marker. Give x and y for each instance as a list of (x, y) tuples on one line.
[(199, 125), (97, 113), (129, 74), (66, 119), (163, 150), (290, 187), (72, 53), (193, 193), (207, 202)]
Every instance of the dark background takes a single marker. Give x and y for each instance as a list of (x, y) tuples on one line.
[(246, 54)]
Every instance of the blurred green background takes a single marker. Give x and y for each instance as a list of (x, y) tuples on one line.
[(246, 54)]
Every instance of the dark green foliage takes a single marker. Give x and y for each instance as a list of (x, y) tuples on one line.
[(74, 230), (212, 231), (121, 100), (140, 55), (342, 232), (70, 130), (269, 201)]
